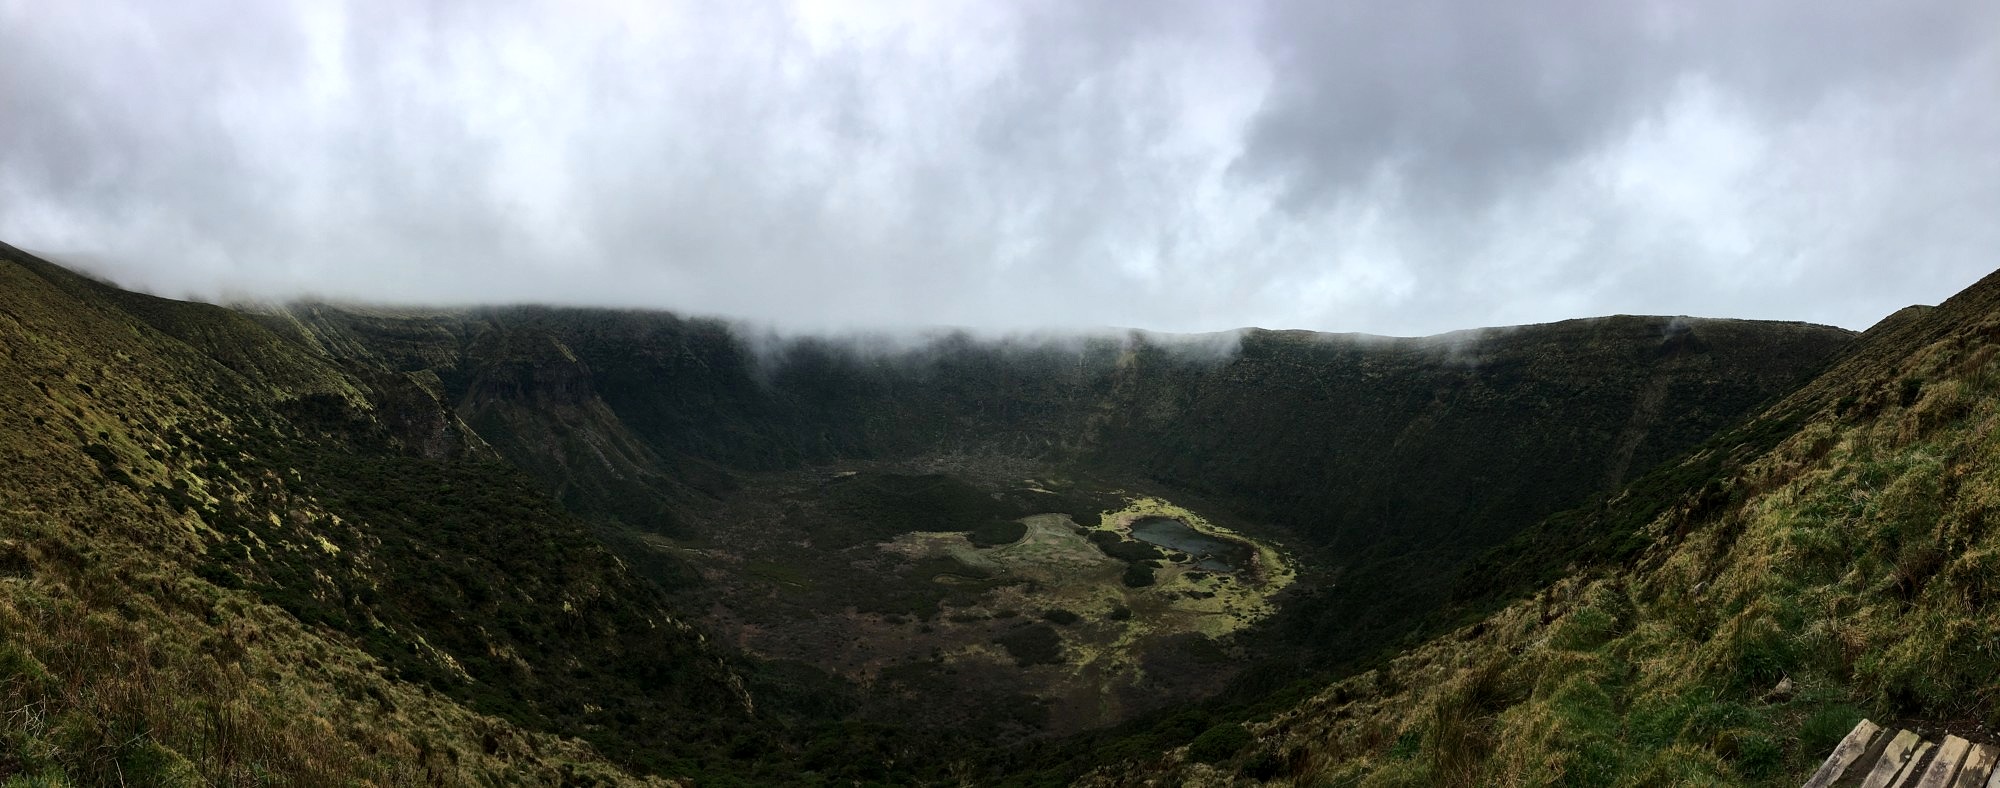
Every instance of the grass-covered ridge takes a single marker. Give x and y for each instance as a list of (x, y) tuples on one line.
[(350, 545), (1847, 568)]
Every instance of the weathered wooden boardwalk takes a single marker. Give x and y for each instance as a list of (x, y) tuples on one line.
[(1873, 757)]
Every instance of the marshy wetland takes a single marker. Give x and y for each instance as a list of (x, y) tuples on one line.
[(1048, 604)]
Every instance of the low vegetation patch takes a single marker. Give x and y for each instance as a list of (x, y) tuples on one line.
[(1032, 644), (866, 507), (999, 532)]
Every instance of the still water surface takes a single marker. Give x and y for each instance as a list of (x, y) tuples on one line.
[(1211, 553)]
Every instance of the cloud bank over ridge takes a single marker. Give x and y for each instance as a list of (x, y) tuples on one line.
[(1404, 168)]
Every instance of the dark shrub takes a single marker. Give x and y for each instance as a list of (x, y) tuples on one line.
[(1060, 617), (997, 533), (1033, 645), (1219, 743)]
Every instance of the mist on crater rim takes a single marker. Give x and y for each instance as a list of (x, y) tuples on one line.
[(1185, 167)]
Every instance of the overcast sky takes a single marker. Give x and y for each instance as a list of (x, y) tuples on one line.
[(1392, 167)]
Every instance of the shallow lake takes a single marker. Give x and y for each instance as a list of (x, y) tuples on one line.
[(1211, 553)]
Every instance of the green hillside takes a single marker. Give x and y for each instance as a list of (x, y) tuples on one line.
[(1833, 558), (154, 532), (335, 544)]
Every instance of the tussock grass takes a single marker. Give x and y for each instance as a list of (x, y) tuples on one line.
[(182, 683)]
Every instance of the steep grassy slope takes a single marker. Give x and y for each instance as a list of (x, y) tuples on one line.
[(1835, 557), (229, 559), (1395, 462)]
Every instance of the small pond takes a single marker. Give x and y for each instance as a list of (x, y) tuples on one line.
[(1211, 553)]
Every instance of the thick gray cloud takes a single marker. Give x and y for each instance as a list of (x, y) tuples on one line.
[(1396, 168)]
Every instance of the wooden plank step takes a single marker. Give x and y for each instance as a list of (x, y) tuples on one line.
[(1894, 758), (1943, 770), (1865, 765), (1919, 761), (1979, 761), (1875, 757), (1846, 754), (1982, 762)]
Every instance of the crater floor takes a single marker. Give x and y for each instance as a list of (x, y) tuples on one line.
[(1024, 596)]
